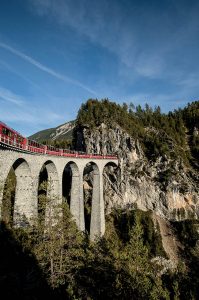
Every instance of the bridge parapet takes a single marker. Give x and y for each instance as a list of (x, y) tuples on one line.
[(10, 143)]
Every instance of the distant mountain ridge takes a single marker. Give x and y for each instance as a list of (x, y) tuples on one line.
[(61, 132)]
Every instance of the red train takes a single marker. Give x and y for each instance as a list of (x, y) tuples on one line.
[(12, 138)]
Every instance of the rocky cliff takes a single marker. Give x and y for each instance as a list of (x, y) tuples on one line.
[(166, 186)]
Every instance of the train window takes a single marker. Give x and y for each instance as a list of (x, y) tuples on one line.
[(6, 132)]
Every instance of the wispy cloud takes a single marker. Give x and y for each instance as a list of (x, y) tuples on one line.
[(121, 34), (9, 68), (9, 96), (23, 110), (191, 80), (147, 39), (150, 65), (45, 68), (31, 117)]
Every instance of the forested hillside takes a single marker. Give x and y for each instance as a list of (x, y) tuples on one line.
[(173, 134), (63, 134)]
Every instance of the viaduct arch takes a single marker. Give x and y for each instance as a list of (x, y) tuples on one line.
[(27, 168)]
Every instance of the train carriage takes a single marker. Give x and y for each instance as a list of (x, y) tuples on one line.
[(11, 137), (34, 146)]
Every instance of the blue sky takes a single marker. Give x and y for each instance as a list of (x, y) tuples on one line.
[(55, 54)]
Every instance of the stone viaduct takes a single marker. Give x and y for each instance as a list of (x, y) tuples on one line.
[(27, 167)]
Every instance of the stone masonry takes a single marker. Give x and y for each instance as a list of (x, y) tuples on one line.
[(27, 169)]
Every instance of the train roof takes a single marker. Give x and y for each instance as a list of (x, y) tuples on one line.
[(11, 129)]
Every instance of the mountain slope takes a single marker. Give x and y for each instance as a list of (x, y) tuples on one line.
[(154, 157), (62, 132)]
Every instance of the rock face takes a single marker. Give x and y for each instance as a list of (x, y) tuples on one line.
[(163, 185)]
